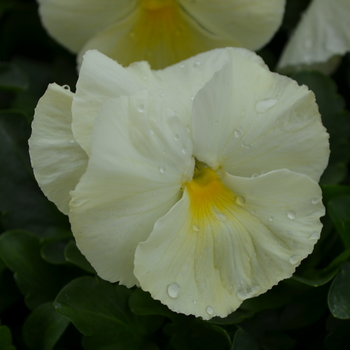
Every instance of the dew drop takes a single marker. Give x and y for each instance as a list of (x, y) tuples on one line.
[(255, 175), (315, 200), (245, 145), (216, 122), (173, 290), (294, 259), (161, 169), (240, 200), (195, 228), (237, 133), (246, 293), (264, 105), (271, 218), (291, 215), (183, 150), (192, 98), (314, 235), (194, 301), (182, 65), (221, 216), (71, 141), (66, 87), (176, 137), (210, 311), (196, 64), (141, 108)]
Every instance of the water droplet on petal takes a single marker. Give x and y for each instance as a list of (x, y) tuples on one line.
[(246, 293), (294, 259), (192, 98), (176, 137), (184, 150), (221, 216), (141, 108), (314, 235), (174, 290), (315, 200), (255, 175), (240, 200), (195, 228), (162, 169), (245, 145), (182, 65), (194, 301), (264, 105), (271, 218), (291, 215), (237, 133), (210, 311), (196, 64), (66, 87), (216, 122), (71, 141)]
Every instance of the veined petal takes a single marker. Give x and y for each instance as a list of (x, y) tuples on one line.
[(130, 182), (162, 37), (248, 120), (100, 78), (246, 23), (322, 35), (74, 22), (206, 259), (57, 159)]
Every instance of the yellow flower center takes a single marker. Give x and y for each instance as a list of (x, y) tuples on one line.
[(210, 198), (154, 5)]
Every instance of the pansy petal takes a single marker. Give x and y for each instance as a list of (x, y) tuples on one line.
[(161, 40), (100, 78), (58, 161), (248, 121), (74, 22), (130, 182), (208, 270), (247, 23), (322, 34)]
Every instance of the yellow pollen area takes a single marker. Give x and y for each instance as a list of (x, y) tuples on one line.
[(208, 195)]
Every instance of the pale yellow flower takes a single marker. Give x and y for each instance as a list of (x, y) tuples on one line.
[(198, 182), (321, 37), (162, 32)]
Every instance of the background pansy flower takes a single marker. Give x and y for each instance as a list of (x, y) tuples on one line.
[(203, 200), (162, 32), (320, 38)]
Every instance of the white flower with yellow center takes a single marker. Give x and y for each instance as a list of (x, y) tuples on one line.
[(162, 32), (197, 183), (322, 35)]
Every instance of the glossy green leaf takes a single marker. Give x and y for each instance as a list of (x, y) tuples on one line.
[(21, 201), (73, 255), (100, 311), (235, 317), (243, 341), (37, 280), (12, 78), (43, 327), (339, 211), (338, 336), (332, 191), (5, 339), (9, 292), (339, 293), (53, 252)]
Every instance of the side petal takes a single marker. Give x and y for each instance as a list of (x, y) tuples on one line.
[(248, 120), (320, 37), (209, 270), (249, 24), (74, 22), (130, 182), (57, 159), (100, 78)]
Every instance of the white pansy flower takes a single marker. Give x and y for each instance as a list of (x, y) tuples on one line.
[(199, 181), (162, 32), (322, 35)]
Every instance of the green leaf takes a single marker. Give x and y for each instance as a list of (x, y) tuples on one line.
[(100, 311), (9, 292), (37, 280), (5, 339), (12, 78), (332, 191), (53, 252), (339, 293), (22, 202), (339, 211), (43, 327), (235, 317), (73, 255), (243, 341)]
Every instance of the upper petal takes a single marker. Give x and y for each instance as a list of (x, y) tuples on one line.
[(139, 161), (57, 159), (207, 265), (74, 22), (248, 120), (246, 23), (323, 33)]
